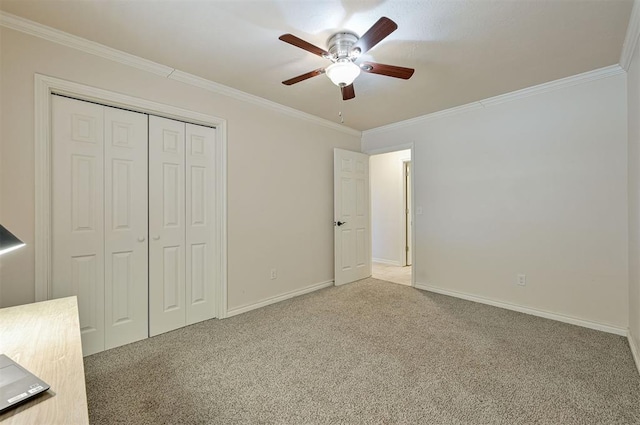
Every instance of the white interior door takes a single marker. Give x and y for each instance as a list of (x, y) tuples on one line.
[(134, 225), (126, 227), (77, 263), (166, 225), (200, 222), (352, 226)]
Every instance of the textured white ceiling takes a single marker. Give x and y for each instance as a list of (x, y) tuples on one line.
[(462, 50)]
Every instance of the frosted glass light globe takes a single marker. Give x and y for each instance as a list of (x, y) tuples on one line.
[(343, 73)]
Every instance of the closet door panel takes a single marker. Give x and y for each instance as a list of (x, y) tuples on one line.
[(166, 225), (126, 227), (77, 200), (200, 222)]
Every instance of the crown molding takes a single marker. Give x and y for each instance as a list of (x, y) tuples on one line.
[(631, 39), (425, 118), (585, 77), (218, 88), (38, 30), (51, 34)]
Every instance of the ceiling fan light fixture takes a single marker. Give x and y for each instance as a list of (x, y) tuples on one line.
[(344, 49), (343, 73)]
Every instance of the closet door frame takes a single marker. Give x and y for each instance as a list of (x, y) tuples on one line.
[(45, 87)]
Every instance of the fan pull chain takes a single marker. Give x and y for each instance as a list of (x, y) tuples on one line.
[(340, 104)]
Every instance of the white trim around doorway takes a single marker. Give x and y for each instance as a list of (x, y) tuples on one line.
[(407, 222), (45, 86), (411, 146)]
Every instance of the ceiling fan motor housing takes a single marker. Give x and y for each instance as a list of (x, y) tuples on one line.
[(341, 44)]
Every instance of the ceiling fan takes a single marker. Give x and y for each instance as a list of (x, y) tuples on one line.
[(344, 49)]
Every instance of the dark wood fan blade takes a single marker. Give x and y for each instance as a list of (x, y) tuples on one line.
[(298, 42), (388, 70), (303, 77), (376, 34), (348, 92)]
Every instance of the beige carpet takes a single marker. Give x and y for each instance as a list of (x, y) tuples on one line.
[(370, 352)]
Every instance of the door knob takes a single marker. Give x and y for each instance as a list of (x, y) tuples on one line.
[(339, 223), (156, 237), (141, 239)]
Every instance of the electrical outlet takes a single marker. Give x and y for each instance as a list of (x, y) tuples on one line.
[(522, 280), (274, 274)]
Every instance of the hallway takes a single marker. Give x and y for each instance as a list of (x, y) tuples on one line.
[(390, 273)]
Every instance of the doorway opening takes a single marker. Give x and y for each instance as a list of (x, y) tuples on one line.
[(391, 216)]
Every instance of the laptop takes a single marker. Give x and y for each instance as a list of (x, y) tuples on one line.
[(17, 384)]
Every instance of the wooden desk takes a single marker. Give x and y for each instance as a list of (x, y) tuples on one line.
[(44, 338)]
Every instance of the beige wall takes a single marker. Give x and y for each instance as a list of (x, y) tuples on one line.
[(633, 101), (387, 206), (534, 185), (280, 177)]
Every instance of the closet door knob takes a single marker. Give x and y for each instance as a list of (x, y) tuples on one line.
[(156, 238), (141, 239)]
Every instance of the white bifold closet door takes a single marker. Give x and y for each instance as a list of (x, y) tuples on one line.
[(99, 219), (181, 224)]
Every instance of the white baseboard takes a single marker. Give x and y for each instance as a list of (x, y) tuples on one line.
[(635, 349), (389, 262), (272, 300), (527, 310)]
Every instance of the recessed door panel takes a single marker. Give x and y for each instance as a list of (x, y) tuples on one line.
[(361, 248), (86, 286), (361, 198), (83, 193), (123, 135), (172, 192), (199, 276), (171, 281), (85, 128), (198, 144), (122, 288), (173, 141), (347, 198), (121, 189), (198, 196), (346, 237)]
